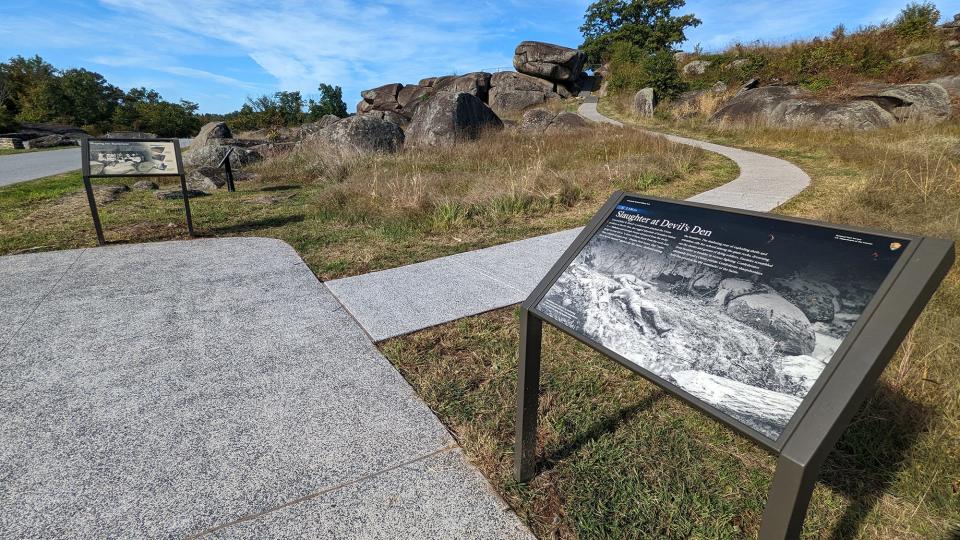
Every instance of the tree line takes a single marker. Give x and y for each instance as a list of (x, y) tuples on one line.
[(33, 90)]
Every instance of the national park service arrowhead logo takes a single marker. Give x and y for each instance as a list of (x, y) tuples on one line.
[(895, 246)]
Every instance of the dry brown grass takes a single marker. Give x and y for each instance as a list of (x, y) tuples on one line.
[(347, 214)]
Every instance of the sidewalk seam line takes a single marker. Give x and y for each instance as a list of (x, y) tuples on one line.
[(42, 299), (250, 517)]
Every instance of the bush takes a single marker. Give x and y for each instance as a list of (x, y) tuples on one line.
[(632, 68), (917, 20)]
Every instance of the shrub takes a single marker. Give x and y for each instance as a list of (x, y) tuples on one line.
[(632, 68), (917, 20)]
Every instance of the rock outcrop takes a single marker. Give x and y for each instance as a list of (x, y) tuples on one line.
[(548, 61), (51, 141), (363, 134), (448, 118), (927, 102), (788, 106), (855, 115)]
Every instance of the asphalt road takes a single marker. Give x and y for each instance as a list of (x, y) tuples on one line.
[(31, 165)]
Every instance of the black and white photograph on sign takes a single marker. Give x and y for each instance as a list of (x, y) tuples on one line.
[(131, 158), (742, 312)]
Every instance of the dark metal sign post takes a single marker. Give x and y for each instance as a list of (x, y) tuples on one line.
[(126, 158), (826, 410), (228, 170)]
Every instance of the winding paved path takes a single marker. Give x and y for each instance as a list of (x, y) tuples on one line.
[(410, 298)]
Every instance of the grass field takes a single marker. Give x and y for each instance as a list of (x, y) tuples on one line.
[(348, 215), (623, 460)]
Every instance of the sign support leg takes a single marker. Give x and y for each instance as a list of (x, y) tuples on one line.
[(788, 499), (186, 203), (528, 395), (93, 210), (228, 171)]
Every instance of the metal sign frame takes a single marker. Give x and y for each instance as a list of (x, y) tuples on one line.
[(85, 167), (847, 380)]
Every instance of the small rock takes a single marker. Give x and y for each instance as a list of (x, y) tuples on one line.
[(11, 142), (739, 63), (178, 194), (145, 185), (719, 87)]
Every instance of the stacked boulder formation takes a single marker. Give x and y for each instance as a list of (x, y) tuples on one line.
[(433, 111)]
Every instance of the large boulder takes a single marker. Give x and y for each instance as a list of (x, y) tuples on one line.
[(778, 318), (548, 61), (363, 134), (477, 84), (926, 102), (389, 116), (449, 118), (210, 155), (644, 102), (512, 92), (210, 132), (856, 115), (413, 95), (757, 104), (383, 98)]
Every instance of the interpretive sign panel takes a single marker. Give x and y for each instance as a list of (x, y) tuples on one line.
[(742, 312), (117, 158), (153, 157), (778, 327)]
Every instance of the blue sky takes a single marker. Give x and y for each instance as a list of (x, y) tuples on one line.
[(218, 52)]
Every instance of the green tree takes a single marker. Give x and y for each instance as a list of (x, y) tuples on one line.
[(20, 75), (88, 99), (330, 102), (917, 20), (647, 24)]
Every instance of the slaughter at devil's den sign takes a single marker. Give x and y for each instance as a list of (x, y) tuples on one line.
[(771, 325)]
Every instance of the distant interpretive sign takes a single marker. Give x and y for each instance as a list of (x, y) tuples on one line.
[(775, 326), (113, 157), (117, 158)]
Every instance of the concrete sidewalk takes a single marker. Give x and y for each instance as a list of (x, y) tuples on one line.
[(402, 300), (213, 388)]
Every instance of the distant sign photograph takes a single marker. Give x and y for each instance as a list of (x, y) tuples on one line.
[(132, 158), (742, 312)]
